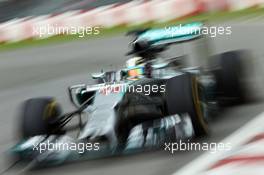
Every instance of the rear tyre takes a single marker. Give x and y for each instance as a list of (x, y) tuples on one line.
[(36, 114), (228, 72), (183, 95)]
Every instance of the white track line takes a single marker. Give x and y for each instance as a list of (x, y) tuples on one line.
[(236, 139)]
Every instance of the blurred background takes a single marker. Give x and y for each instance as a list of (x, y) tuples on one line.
[(31, 66), (11, 9)]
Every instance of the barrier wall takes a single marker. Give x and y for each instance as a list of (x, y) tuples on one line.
[(132, 13)]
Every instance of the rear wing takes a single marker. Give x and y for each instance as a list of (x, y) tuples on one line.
[(171, 35)]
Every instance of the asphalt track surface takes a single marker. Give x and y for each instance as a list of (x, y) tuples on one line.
[(49, 70)]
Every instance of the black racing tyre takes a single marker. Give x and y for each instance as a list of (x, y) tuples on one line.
[(36, 114), (228, 72), (183, 96)]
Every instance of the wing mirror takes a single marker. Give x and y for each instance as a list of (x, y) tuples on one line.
[(73, 91)]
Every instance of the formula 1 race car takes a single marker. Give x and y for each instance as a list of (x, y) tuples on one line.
[(149, 102)]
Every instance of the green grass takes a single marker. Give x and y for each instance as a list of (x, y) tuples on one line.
[(210, 17)]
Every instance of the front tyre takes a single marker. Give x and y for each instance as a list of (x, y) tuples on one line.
[(183, 96), (36, 114)]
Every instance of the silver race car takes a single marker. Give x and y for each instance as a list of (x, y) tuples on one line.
[(149, 102)]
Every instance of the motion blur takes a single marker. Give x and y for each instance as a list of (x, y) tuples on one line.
[(131, 87)]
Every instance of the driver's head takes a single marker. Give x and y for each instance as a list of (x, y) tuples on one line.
[(135, 61)]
